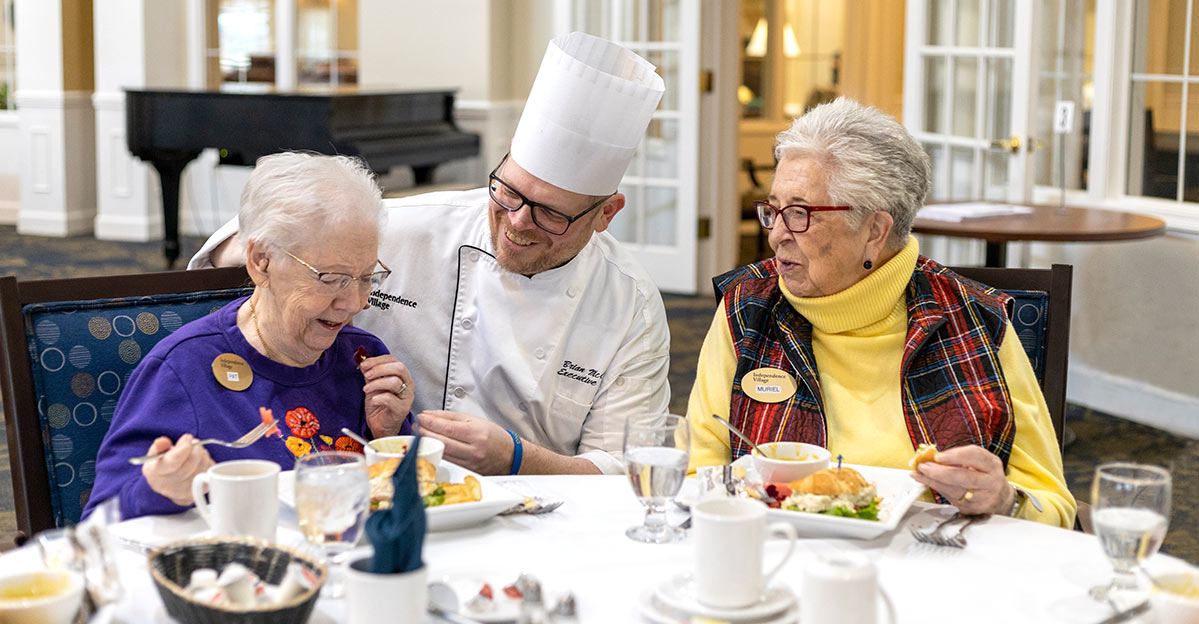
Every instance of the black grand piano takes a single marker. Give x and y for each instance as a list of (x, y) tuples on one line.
[(169, 128)]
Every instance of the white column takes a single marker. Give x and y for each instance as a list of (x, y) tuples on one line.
[(55, 125), (138, 44), (285, 45)]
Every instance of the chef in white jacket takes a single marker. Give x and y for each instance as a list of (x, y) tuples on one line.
[(531, 335)]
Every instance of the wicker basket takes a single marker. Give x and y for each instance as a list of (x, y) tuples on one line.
[(172, 566)]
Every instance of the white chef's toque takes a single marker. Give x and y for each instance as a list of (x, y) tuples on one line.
[(586, 114)]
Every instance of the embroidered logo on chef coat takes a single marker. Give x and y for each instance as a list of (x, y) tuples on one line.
[(571, 370), (384, 301)]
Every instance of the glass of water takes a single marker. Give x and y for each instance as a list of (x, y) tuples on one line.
[(332, 501), (656, 451), (1132, 510)]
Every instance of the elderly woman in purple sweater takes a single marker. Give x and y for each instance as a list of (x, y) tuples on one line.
[(311, 228)]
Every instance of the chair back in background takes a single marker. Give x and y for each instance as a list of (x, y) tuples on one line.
[(1041, 316), (69, 347)]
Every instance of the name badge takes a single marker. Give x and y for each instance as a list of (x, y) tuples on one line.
[(232, 372), (768, 385)]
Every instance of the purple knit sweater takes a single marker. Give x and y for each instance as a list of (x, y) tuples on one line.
[(173, 391)]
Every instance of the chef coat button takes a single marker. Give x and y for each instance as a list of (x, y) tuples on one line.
[(620, 381), (474, 256), (467, 323), (459, 392), (524, 407), (572, 291), (539, 353)]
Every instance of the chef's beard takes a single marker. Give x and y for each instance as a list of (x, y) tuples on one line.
[(546, 254)]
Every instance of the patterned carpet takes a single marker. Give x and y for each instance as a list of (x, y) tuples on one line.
[(1100, 438)]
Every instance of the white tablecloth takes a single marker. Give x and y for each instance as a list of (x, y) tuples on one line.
[(1012, 570)]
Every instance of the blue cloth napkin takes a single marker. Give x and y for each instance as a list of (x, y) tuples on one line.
[(398, 533)]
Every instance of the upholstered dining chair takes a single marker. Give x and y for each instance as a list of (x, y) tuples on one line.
[(1041, 315), (67, 348)]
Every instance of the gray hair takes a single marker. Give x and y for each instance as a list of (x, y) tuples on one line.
[(292, 196), (869, 160)]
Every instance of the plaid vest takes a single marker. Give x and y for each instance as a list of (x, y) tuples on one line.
[(953, 389)]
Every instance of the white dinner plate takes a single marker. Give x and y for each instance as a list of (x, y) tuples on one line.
[(495, 499), (895, 486)]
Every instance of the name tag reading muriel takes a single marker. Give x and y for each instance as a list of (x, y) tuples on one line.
[(768, 385), (232, 372)]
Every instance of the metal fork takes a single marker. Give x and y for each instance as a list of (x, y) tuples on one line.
[(249, 438), (954, 541), (532, 505)]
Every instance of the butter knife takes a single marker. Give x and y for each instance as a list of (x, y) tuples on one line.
[(1127, 614)]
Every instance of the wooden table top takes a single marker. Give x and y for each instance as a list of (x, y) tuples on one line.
[(1049, 223)]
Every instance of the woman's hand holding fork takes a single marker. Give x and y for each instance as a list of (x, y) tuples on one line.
[(171, 475)]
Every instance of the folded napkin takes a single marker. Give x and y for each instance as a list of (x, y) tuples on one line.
[(398, 533)]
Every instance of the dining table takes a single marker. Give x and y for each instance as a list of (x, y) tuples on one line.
[(1009, 571), (1041, 222)]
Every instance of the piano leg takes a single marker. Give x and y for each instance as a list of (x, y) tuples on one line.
[(169, 172), (422, 174)]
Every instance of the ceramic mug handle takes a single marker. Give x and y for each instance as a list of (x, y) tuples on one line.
[(785, 529), (199, 483), (891, 617)]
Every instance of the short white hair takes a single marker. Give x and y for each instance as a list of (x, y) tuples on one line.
[(293, 196), (869, 160)]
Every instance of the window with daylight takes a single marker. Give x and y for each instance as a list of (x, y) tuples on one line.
[(1163, 122)]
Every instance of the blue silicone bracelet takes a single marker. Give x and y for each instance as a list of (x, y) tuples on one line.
[(517, 452)]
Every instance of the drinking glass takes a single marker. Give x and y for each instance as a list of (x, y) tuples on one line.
[(1132, 507), (332, 501), (656, 451)]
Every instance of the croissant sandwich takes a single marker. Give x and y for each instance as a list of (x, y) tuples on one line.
[(834, 491)]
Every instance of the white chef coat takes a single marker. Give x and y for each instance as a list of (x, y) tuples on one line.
[(562, 358)]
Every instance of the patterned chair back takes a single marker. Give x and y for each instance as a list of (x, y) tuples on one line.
[(1041, 316), (67, 348), (1030, 317), (82, 353)]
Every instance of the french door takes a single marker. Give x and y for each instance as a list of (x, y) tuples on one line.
[(658, 223)]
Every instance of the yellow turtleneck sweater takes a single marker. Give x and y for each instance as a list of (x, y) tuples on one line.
[(857, 338)]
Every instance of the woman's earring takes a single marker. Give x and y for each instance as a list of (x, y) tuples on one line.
[(867, 265)]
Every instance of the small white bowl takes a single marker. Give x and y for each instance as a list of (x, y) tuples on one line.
[(1170, 604), (789, 461), (44, 597), (381, 449)]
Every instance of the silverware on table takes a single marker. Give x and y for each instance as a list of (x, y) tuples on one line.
[(937, 536), (249, 438), (532, 505), (1127, 614)]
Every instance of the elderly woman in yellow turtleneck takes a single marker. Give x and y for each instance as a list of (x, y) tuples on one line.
[(888, 349)]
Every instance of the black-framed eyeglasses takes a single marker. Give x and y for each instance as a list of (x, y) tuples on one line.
[(796, 218), (544, 217), (329, 283)]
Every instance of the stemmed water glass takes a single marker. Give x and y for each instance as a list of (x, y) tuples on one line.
[(332, 501), (1132, 508), (656, 452)]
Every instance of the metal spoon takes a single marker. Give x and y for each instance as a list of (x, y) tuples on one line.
[(354, 436), (728, 425)]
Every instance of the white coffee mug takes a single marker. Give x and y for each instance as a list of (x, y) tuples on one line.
[(243, 498), (730, 535), (374, 598), (843, 588)]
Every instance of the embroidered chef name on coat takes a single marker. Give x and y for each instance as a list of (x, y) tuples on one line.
[(570, 370), (383, 300)]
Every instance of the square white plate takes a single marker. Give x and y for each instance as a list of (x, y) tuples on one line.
[(895, 486), (495, 499)]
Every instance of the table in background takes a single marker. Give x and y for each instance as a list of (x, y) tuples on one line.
[(1011, 570), (1045, 223)]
